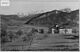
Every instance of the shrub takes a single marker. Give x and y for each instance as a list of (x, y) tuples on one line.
[(3, 40), (19, 32), (41, 37), (3, 35), (10, 35), (29, 37), (74, 31)]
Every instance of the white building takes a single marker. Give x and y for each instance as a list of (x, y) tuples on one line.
[(53, 31), (62, 31), (68, 31)]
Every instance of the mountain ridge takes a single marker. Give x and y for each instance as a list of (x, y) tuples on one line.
[(54, 17)]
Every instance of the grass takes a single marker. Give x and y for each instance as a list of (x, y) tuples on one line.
[(42, 42), (50, 43)]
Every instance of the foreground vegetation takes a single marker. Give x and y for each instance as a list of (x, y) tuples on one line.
[(23, 40)]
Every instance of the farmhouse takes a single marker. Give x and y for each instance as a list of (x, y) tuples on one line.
[(60, 30), (54, 29), (68, 31)]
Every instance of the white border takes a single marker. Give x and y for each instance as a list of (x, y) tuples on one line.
[(5, 3)]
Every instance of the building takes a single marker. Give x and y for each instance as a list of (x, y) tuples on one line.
[(68, 31), (62, 31), (53, 31)]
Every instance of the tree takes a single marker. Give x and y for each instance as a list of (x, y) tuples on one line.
[(19, 32), (10, 35), (3, 30), (3, 33), (3, 36)]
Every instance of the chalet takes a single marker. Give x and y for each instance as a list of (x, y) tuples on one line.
[(54, 29), (68, 31), (61, 30)]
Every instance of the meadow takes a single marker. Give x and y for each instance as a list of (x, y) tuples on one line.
[(30, 40)]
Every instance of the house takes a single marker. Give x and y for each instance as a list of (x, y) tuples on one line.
[(65, 31), (68, 31), (62, 31), (41, 30), (53, 31)]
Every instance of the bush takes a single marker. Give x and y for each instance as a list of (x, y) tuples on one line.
[(74, 31), (26, 39), (3, 35), (41, 37), (10, 35), (19, 32), (3, 40), (29, 36)]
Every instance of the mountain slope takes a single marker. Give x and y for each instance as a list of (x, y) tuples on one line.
[(55, 17), (13, 20)]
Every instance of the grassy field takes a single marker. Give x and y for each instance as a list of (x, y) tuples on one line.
[(42, 42)]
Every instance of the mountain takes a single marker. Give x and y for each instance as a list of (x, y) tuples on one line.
[(43, 19), (55, 17), (12, 20)]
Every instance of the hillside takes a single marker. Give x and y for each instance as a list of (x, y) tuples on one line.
[(13, 20), (55, 17), (43, 19)]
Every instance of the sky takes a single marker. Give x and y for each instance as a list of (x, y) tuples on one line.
[(35, 6)]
